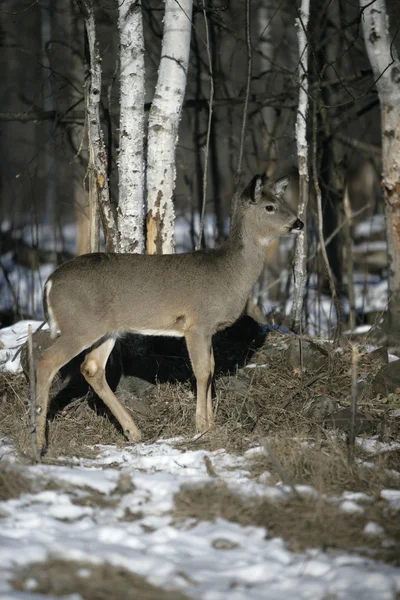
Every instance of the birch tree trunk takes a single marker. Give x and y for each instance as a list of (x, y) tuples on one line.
[(130, 213), (97, 150), (165, 114), (300, 261), (386, 68)]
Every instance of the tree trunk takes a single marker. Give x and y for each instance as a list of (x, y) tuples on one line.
[(267, 17), (386, 68), (300, 261), (165, 114), (97, 149), (130, 212), (330, 55)]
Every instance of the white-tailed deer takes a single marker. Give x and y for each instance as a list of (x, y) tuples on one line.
[(92, 299)]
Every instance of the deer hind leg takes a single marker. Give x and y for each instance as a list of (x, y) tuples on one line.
[(200, 350), (93, 370), (56, 356)]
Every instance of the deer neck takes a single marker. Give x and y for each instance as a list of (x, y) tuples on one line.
[(246, 254)]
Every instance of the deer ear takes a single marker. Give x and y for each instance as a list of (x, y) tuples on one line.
[(280, 186), (253, 191)]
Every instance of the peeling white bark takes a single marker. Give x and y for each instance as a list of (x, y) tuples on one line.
[(300, 261), (97, 150), (386, 68), (130, 213), (164, 120)]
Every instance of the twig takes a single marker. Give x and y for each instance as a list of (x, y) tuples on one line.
[(329, 273), (12, 291), (349, 258), (245, 109), (20, 348), (327, 242), (32, 386), (278, 468), (353, 408), (359, 145), (210, 114), (309, 382), (209, 467), (247, 393), (192, 440)]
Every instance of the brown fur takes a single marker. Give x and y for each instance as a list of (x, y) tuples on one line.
[(93, 298)]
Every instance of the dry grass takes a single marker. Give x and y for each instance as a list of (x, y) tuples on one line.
[(71, 432), (249, 404), (252, 403), (267, 403), (13, 483), (323, 464), (302, 522), (57, 577)]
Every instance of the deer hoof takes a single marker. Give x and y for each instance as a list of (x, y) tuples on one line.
[(202, 425), (135, 436)]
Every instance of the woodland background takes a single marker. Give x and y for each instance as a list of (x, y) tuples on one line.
[(249, 50)]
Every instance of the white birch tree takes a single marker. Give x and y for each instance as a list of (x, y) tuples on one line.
[(100, 199), (300, 261), (386, 69), (130, 212), (164, 120)]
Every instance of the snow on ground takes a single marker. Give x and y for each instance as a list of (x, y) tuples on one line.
[(209, 561), (187, 556), (11, 338)]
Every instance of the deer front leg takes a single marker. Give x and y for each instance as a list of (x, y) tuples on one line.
[(200, 350)]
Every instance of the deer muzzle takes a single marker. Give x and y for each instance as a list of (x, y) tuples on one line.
[(298, 225)]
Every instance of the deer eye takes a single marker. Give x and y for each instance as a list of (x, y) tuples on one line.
[(270, 208)]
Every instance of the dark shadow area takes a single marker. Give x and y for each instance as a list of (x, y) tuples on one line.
[(149, 359), (153, 359), (164, 359)]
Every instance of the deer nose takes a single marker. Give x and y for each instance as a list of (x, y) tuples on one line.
[(298, 224)]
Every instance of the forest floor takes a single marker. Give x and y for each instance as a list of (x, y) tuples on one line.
[(265, 505)]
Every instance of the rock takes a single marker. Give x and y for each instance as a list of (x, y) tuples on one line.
[(238, 385), (306, 354), (224, 544), (321, 407), (271, 351), (387, 380), (341, 420), (364, 391), (135, 393), (379, 356)]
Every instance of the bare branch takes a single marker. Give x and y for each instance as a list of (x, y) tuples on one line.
[(210, 113), (328, 269)]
